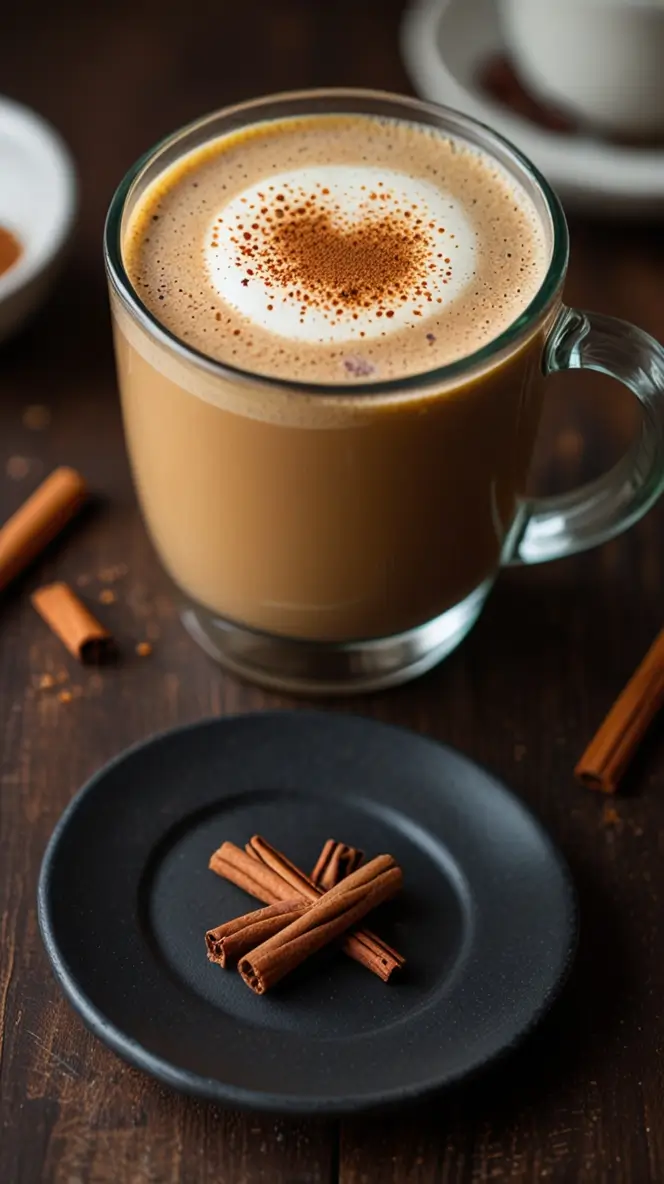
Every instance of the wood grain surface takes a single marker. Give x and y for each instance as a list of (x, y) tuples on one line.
[(584, 1100)]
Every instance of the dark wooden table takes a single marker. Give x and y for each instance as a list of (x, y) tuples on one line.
[(584, 1100)]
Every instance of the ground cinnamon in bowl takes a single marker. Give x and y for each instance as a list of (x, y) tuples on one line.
[(10, 250)]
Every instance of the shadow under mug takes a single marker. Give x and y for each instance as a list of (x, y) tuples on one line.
[(345, 538)]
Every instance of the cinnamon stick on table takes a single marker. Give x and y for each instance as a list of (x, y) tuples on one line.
[(330, 916), (39, 520), (610, 751), (252, 873), (227, 943), (73, 623)]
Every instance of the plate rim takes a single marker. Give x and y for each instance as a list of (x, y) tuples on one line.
[(223, 1093)]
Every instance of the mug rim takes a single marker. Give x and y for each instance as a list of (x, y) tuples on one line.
[(456, 122)]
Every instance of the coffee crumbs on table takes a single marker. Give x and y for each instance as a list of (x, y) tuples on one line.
[(611, 817), (18, 467), (36, 417), (109, 575)]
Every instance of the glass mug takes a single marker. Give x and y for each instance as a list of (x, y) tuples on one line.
[(345, 538)]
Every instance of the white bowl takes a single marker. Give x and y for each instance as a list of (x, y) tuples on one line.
[(37, 204), (445, 43)]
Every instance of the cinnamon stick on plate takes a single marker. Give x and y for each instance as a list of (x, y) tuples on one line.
[(73, 623), (229, 942), (232, 863), (335, 862), (330, 916), (362, 945), (612, 748), (39, 520), (283, 881)]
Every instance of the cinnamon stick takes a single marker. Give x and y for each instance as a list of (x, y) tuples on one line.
[(73, 623), (232, 863), (39, 520), (227, 943), (263, 852), (335, 862), (362, 945), (330, 916), (612, 748), (250, 872)]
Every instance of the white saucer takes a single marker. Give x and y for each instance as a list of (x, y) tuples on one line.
[(37, 204), (445, 43)]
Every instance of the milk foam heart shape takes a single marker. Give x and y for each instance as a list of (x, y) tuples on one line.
[(339, 252)]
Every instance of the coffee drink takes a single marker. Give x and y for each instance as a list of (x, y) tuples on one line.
[(336, 251)]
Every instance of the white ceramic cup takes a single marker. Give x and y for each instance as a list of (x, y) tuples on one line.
[(600, 60)]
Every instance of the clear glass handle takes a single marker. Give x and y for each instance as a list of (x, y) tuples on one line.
[(552, 527)]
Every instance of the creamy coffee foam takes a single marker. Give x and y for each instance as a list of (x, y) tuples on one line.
[(336, 249)]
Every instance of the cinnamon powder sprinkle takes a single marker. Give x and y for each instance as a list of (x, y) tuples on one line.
[(144, 649), (107, 596), (337, 265)]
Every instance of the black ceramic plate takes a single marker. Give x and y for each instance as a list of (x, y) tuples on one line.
[(486, 920)]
